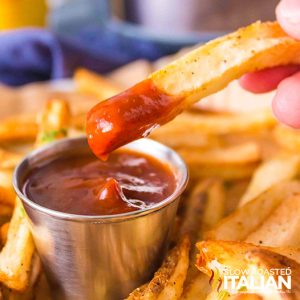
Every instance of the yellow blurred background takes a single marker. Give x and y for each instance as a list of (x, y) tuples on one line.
[(20, 13)]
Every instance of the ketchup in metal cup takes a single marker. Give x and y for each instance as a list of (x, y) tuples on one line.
[(83, 185)]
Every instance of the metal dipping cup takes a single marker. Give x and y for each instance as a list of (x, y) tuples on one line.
[(100, 257)]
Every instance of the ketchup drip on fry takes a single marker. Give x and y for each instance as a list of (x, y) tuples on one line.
[(129, 116)]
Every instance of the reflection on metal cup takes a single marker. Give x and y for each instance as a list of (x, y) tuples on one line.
[(100, 257)]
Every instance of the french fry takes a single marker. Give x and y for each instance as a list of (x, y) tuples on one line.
[(287, 137), (3, 232), (281, 228), (234, 155), (204, 208), (18, 128), (216, 256), (275, 170), (167, 283), (204, 71), (54, 122), (243, 221), (7, 196), (9, 159), (94, 84), (197, 124), (16, 255)]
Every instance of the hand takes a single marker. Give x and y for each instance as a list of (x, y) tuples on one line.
[(286, 103)]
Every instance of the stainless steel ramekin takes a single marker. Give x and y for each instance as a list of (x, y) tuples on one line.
[(100, 257)]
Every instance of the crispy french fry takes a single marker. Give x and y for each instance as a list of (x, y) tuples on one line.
[(197, 124), (281, 228), (9, 159), (238, 225), (167, 283), (3, 232), (16, 255), (218, 256), (287, 137), (226, 172), (54, 122), (290, 252), (198, 288), (18, 128), (275, 170), (234, 155), (92, 83), (7, 196)]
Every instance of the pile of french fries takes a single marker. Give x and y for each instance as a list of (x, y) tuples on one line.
[(243, 199)]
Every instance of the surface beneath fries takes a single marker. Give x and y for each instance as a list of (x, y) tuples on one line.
[(234, 159)]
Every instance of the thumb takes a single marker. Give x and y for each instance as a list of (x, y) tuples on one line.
[(288, 16)]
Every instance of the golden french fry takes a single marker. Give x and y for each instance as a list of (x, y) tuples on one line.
[(290, 252), (18, 128), (243, 221), (16, 255), (7, 196), (211, 67), (197, 124), (92, 83), (287, 137), (9, 159), (197, 289), (234, 155), (217, 256), (167, 283), (54, 122), (281, 228), (226, 172), (275, 170), (3, 232)]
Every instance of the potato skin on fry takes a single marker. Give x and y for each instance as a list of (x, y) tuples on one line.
[(167, 283)]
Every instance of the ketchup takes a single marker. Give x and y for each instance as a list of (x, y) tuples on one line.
[(129, 116), (84, 185)]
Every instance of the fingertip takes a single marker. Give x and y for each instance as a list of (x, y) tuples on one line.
[(286, 103), (288, 16)]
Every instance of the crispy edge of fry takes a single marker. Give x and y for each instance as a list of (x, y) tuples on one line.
[(238, 225), (18, 128), (233, 155), (54, 122), (257, 46), (204, 208), (92, 83), (287, 137), (16, 255), (270, 172), (168, 281), (226, 172), (9, 159), (281, 228), (216, 256), (216, 124)]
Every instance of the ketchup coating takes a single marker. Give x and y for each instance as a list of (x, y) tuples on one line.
[(129, 116), (84, 185)]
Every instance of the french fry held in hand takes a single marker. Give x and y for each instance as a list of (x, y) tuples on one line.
[(167, 283), (167, 92)]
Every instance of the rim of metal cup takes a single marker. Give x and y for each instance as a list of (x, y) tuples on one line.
[(176, 160)]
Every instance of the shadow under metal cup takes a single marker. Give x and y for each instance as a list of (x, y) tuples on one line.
[(100, 257)]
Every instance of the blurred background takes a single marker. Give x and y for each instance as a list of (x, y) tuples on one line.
[(103, 35)]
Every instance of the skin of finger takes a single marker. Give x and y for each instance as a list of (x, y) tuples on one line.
[(266, 80), (288, 16), (286, 103)]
